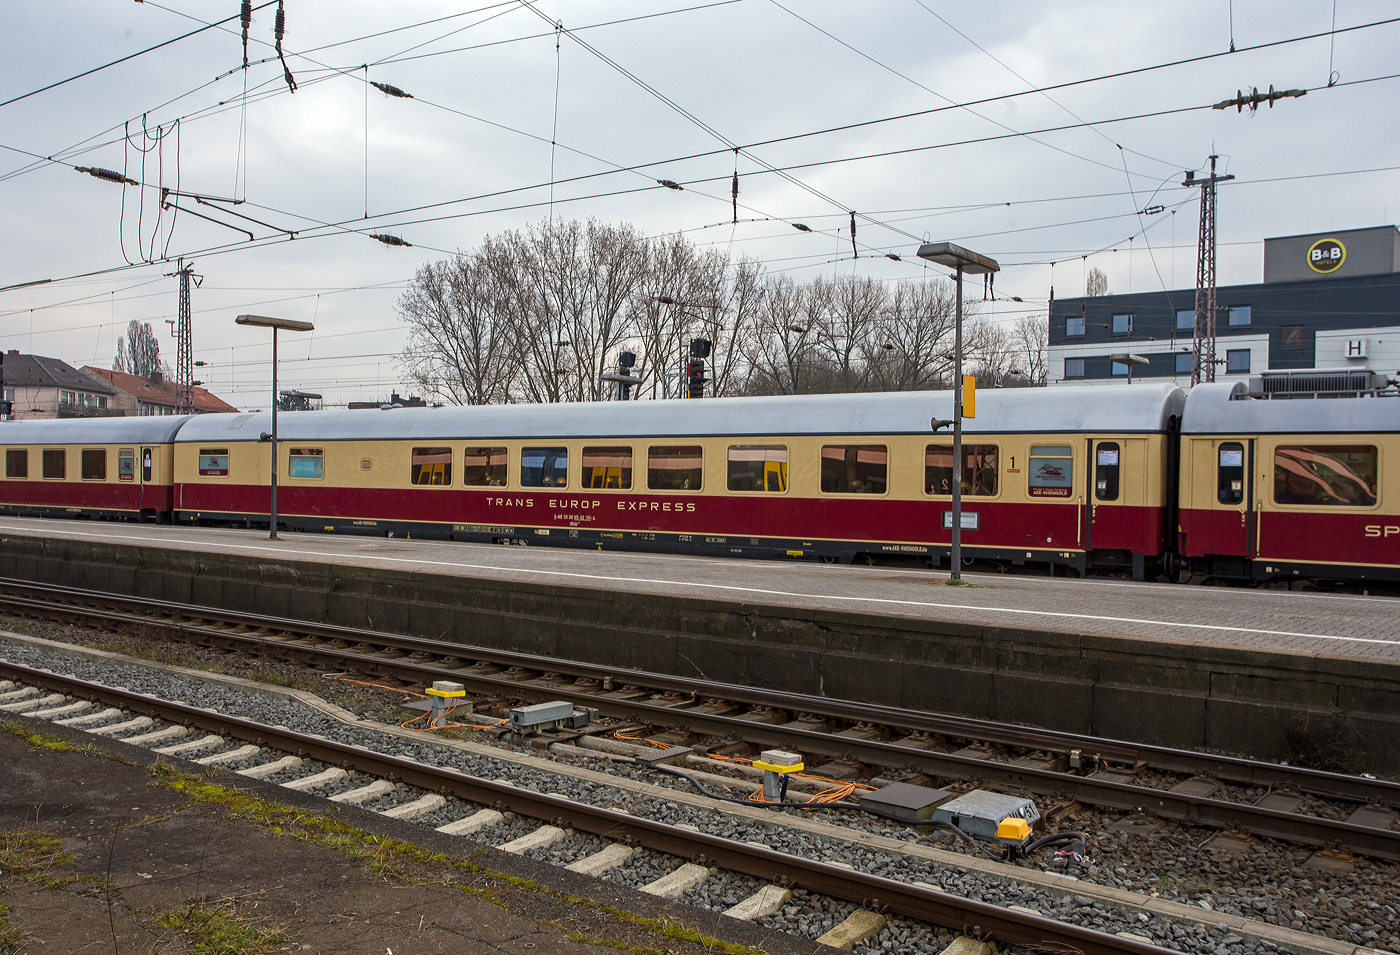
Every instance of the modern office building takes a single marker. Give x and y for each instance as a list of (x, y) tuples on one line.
[(1329, 300)]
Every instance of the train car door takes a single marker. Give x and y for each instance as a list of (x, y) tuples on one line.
[(1232, 531)]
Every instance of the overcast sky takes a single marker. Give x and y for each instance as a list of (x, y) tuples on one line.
[(635, 99)]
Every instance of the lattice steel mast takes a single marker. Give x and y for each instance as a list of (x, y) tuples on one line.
[(1203, 341), (184, 345)]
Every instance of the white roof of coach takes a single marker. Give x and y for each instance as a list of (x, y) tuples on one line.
[(1136, 408), (157, 429), (1210, 409)]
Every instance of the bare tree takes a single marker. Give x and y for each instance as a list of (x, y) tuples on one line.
[(1031, 335), (914, 338), (848, 311), (1096, 283), (461, 342), (781, 353), (139, 352), (991, 353)]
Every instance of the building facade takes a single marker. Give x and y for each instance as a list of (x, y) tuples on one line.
[(39, 387), (1328, 300), (138, 396)]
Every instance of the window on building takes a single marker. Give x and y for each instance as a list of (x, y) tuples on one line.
[(544, 467), (1237, 361), (1074, 368), (213, 462), (101, 401), (675, 467), (1186, 319), (1239, 315), (431, 467), (1052, 471), (126, 465), (483, 467), (66, 398), (1074, 325), (1229, 482), (1183, 362), (1123, 323), (1291, 336), (55, 464), (1120, 368), (758, 467), (979, 469), (94, 464), (16, 462), (306, 463), (607, 468), (1106, 470), (1325, 475), (855, 468)]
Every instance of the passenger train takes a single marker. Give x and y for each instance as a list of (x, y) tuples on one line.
[(1137, 480)]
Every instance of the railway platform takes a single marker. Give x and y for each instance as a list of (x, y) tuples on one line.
[(1254, 671)]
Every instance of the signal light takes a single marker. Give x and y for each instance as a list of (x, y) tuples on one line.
[(695, 373), (699, 348)]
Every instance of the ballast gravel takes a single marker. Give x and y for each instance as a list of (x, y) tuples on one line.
[(1369, 920)]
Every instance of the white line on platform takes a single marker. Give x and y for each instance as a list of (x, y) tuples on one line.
[(733, 588)]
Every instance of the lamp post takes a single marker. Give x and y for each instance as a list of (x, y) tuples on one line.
[(960, 260), (291, 325)]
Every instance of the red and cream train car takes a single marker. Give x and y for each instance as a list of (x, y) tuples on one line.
[(1059, 477), (100, 467), (1290, 487)]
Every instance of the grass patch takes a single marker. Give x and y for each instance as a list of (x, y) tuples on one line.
[(31, 855), (212, 931), (10, 937)]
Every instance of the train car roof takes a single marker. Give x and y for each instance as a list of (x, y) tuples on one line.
[(155, 429), (1129, 408), (1216, 409)]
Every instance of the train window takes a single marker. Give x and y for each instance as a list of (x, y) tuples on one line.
[(94, 464), (484, 467), (55, 464), (675, 467), (979, 469), (544, 467), (17, 462), (126, 465), (432, 467), (1106, 466), (213, 462), (855, 468), (1229, 473), (1337, 475), (145, 465), (758, 467), (306, 463), (1052, 471), (607, 468)]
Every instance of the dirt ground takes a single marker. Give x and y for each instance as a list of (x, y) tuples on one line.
[(98, 855)]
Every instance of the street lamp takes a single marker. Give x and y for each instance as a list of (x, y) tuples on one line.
[(960, 260), (291, 325), (1130, 360)]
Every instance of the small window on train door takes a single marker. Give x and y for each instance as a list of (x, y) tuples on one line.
[(55, 464), (213, 462), (607, 468), (484, 467), (758, 467), (145, 465), (94, 464), (126, 464), (306, 463), (1106, 470), (544, 467), (432, 467), (1229, 472), (675, 467), (16, 462), (854, 468)]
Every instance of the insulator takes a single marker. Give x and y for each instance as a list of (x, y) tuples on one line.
[(669, 184), (392, 240), (106, 174), (801, 228), (245, 16), (892, 256), (279, 27), (390, 90)]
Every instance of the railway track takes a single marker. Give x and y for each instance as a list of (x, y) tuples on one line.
[(866, 740), (274, 752)]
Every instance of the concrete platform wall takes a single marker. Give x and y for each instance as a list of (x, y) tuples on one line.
[(1272, 705)]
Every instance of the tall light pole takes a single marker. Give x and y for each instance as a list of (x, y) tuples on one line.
[(960, 260), (291, 325)]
